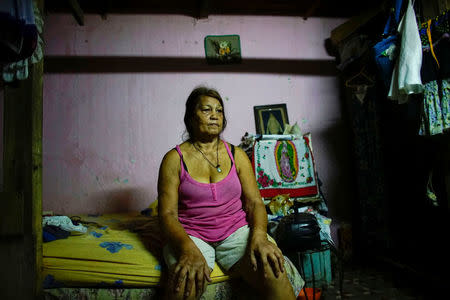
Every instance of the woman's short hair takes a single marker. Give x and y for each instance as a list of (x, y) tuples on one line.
[(191, 104)]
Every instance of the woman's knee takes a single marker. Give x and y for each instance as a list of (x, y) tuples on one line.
[(273, 281), (274, 287), (266, 283)]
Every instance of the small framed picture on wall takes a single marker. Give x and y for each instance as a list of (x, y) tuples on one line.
[(223, 49), (270, 119)]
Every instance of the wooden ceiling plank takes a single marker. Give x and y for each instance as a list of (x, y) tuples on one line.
[(203, 9), (105, 8), (344, 30), (77, 12), (312, 9)]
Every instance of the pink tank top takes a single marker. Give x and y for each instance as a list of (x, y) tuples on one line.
[(210, 211)]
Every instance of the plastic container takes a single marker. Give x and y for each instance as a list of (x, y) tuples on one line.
[(308, 293)]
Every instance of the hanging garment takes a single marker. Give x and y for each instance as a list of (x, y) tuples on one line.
[(435, 115), (435, 73), (19, 69), (384, 51), (371, 198), (406, 76), (18, 32)]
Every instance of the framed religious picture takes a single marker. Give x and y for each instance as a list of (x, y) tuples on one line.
[(223, 49), (270, 119)]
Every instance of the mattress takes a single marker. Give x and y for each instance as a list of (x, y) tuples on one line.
[(118, 250), (120, 255)]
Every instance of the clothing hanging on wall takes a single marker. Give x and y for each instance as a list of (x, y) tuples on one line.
[(18, 69), (406, 75), (363, 106), (18, 33), (435, 73), (391, 174)]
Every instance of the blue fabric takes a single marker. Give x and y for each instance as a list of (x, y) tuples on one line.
[(19, 32), (96, 234), (384, 60), (119, 283), (51, 233), (115, 247), (48, 237), (50, 282), (393, 19)]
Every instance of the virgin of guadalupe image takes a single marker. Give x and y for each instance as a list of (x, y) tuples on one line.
[(286, 160), (273, 126), (285, 165)]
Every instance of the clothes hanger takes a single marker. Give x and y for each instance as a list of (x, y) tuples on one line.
[(360, 78)]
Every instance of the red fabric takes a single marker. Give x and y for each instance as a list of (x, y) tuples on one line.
[(303, 192)]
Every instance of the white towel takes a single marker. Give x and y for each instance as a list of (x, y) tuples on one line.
[(406, 75)]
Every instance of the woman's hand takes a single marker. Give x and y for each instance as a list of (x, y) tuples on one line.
[(262, 251), (265, 254), (191, 269)]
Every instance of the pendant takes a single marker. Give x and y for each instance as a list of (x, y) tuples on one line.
[(219, 169)]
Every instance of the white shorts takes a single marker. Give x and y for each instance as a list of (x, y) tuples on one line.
[(226, 253)]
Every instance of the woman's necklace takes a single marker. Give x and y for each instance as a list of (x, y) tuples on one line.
[(217, 166)]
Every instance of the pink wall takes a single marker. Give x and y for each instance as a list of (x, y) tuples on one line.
[(106, 133)]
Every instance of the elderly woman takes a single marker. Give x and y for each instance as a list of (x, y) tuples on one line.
[(210, 210)]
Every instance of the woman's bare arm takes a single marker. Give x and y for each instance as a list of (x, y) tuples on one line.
[(266, 252), (253, 204), (191, 265), (168, 182)]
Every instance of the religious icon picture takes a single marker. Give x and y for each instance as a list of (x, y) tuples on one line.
[(270, 119), (223, 49)]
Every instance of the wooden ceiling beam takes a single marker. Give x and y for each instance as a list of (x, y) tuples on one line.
[(312, 9), (77, 12), (203, 9), (104, 8)]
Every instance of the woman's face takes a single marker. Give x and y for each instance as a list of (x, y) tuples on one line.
[(208, 116)]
